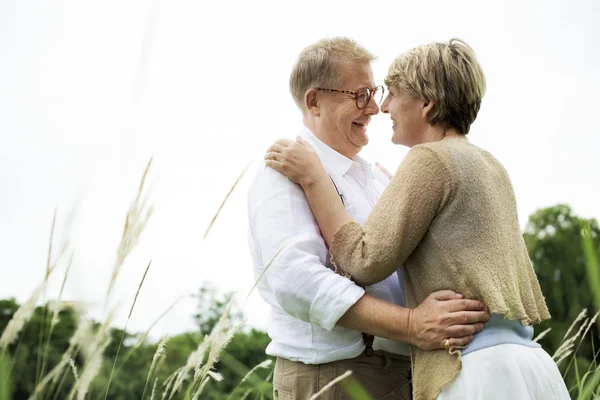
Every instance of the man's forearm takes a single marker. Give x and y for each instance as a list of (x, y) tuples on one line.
[(379, 318)]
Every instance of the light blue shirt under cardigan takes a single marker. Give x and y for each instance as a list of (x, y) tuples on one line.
[(500, 330)]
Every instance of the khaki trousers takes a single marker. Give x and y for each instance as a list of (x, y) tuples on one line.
[(384, 376)]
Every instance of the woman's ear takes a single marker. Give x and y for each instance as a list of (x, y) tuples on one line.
[(311, 102), (427, 108)]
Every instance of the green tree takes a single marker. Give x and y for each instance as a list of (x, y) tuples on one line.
[(26, 351), (553, 239)]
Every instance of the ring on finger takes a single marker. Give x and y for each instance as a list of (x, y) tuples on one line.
[(447, 344)]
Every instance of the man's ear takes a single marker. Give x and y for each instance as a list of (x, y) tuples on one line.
[(311, 102), (427, 108)]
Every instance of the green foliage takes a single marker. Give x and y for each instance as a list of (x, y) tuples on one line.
[(246, 349), (564, 250), (554, 239), (26, 351), (5, 381)]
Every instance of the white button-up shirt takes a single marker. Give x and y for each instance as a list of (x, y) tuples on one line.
[(307, 297)]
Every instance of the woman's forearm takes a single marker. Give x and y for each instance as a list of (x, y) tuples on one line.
[(327, 207)]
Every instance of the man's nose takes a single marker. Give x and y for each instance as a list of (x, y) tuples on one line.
[(372, 108)]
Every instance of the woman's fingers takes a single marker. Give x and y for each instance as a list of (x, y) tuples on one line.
[(280, 145), (276, 165), (456, 342)]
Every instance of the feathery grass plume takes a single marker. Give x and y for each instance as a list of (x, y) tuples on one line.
[(137, 217), (217, 339), (220, 338), (93, 352), (215, 375), (38, 364), (331, 384), (566, 347), (587, 329), (26, 310), (225, 200), (83, 332), (125, 329), (194, 360), (264, 364), (541, 335), (20, 318), (56, 307), (581, 316), (168, 383), (196, 394), (91, 370), (156, 360), (153, 389), (74, 368)]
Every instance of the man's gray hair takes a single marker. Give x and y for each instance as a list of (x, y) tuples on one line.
[(318, 65)]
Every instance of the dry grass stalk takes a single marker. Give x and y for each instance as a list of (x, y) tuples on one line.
[(219, 339), (215, 375), (57, 307), (144, 336), (541, 335), (169, 383), (581, 316), (194, 361), (136, 220), (331, 384), (20, 318), (38, 365), (125, 328), (74, 369), (225, 200), (264, 364), (83, 332), (93, 352), (246, 393), (265, 269), (156, 360), (26, 310), (153, 389), (566, 347), (91, 369), (587, 329)]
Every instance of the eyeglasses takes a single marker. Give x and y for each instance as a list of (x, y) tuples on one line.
[(362, 95)]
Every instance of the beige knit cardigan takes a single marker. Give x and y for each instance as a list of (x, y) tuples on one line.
[(449, 216)]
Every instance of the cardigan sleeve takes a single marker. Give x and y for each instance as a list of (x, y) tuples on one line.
[(421, 187)]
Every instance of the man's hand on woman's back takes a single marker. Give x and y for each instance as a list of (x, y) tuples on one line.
[(446, 315)]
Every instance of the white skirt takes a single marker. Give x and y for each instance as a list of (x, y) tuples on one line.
[(507, 371)]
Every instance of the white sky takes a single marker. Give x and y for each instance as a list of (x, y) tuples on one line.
[(214, 96)]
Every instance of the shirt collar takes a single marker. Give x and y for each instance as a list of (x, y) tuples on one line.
[(330, 158)]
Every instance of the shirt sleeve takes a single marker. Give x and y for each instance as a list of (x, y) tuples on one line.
[(420, 188), (297, 279)]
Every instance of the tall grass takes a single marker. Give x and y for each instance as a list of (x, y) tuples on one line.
[(191, 379)]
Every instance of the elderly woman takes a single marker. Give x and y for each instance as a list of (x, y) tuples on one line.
[(449, 216)]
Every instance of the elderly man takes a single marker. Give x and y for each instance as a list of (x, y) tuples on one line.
[(322, 324)]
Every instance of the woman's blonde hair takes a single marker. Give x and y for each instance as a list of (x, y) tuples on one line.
[(318, 65), (447, 74)]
